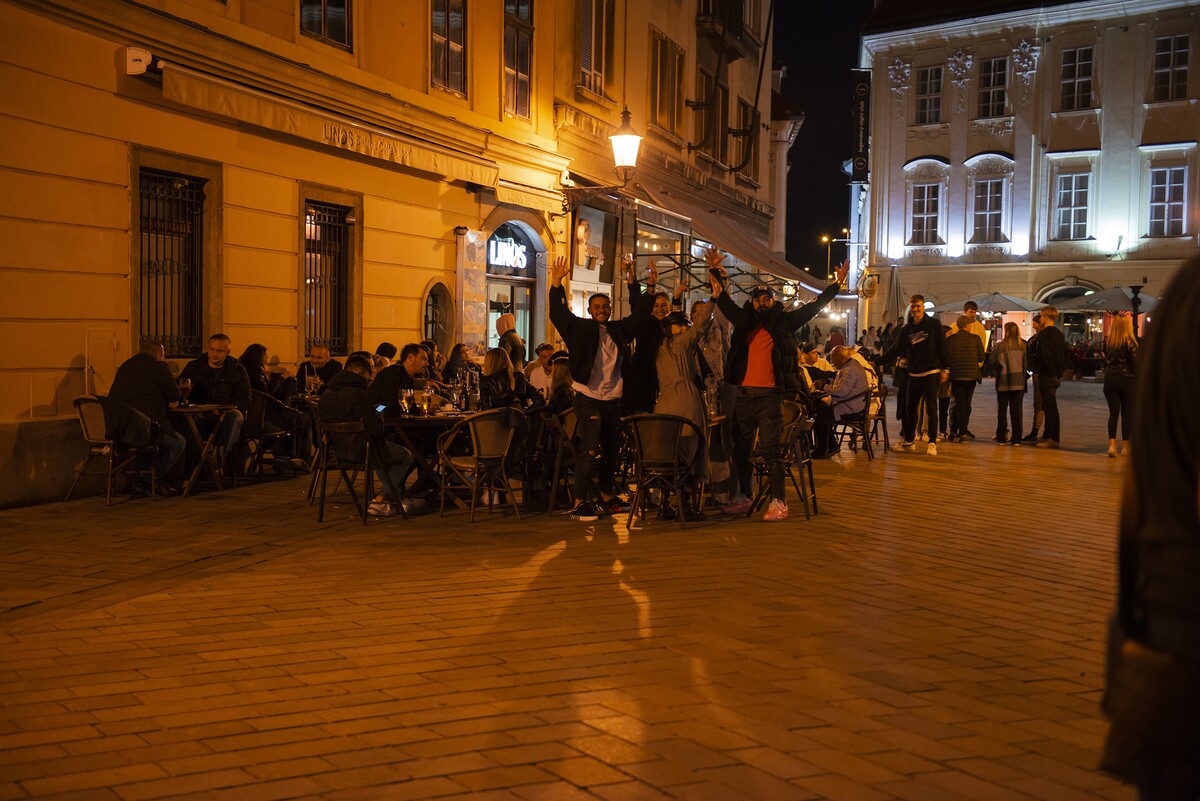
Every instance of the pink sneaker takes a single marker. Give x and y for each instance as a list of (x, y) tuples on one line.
[(776, 511), (737, 507)]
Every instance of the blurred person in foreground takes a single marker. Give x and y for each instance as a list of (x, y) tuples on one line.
[(1153, 676)]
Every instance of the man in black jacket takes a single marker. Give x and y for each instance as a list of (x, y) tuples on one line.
[(922, 343), (1051, 362), (385, 389), (597, 349), (144, 382), (321, 367), (764, 364), (216, 378), (346, 400)]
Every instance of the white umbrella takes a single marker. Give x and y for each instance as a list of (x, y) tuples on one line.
[(1114, 299), (994, 302), (896, 303)]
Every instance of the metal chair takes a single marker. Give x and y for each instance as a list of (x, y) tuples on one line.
[(118, 458), (666, 449), (256, 440), (561, 432), (796, 452), (877, 415), (856, 425), (348, 469), (482, 464)]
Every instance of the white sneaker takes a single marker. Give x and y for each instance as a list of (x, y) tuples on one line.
[(906, 443), (776, 511), (931, 449)]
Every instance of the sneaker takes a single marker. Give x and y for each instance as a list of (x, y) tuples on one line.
[(931, 449), (612, 506), (382, 509), (737, 507), (778, 511), (1032, 436), (585, 512), (964, 438), (906, 443), (1016, 443), (968, 435)]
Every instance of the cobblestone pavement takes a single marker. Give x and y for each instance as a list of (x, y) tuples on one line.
[(935, 633)]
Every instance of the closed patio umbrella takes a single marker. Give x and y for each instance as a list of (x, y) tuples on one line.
[(896, 302)]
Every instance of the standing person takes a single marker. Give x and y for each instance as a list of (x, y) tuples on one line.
[(921, 343), (971, 312), (1052, 361), (714, 350), (597, 349), (763, 364), (216, 378), (1153, 676), (965, 351), (144, 382), (1120, 359), (678, 390), (1035, 367), (510, 340), (642, 378), (320, 366), (1010, 361)]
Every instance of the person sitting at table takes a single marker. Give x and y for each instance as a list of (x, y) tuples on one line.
[(347, 400), (538, 371), (501, 385), (841, 397), (388, 384), (218, 379), (144, 382), (436, 360), (319, 366), (288, 451), (459, 360), (385, 351), (817, 366), (562, 390)]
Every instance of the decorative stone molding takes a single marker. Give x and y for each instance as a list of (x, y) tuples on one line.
[(928, 133), (959, 66), (995, 128), (899, 75), (926, 255), (992, 166), (1025, 61), (927, 172), (987, 254)]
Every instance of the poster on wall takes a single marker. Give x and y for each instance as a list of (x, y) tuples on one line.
[(594, 246), (472, 292)]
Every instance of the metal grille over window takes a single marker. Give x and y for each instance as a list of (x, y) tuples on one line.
[(171, 229), (326, 275)]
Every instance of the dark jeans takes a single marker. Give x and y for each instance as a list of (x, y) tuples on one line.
[(759, 409), (1049, 388), (171, 446), (1012, 401), (920, 388), (1118, 391), (392, 465), (598, 422), (1037, 404), (960, 412)]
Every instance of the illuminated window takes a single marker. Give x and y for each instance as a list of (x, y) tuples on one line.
[(929, 95), (993, 82), (171, 215), (328, 20), (926, 208), (1071, 206), (1167, 185), (989, 210), (327, 247)]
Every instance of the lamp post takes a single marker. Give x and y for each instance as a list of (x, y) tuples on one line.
[(626, 144), (1136, 301), (828, 240)]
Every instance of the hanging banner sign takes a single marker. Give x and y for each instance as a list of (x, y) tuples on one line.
[(862, 126)]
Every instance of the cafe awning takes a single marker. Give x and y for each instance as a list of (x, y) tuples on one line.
[(230, 100), (710, 224)]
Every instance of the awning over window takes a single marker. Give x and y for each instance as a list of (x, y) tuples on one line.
[(724, 233), (227, 99)]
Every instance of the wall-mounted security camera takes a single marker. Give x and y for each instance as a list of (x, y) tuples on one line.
[(137, 60)]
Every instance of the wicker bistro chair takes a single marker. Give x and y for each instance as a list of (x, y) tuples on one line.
[(795, 448), (117, 457), (666, 449), (482, 465), (348, 470), (857, 425)]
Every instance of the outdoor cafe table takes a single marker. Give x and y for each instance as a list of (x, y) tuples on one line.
[(192, 413), (429, 428)]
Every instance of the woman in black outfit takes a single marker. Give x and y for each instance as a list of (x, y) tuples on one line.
[(1120, 356)]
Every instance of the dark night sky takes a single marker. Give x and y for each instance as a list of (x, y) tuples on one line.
[(818, 40)]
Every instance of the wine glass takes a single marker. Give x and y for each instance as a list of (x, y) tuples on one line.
[(406, 401), (185, 389), (311, 384)]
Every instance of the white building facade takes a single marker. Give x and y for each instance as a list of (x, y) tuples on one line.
[(1041, 152)]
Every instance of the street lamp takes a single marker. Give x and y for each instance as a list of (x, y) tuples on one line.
[(828, 242), (626, 143)]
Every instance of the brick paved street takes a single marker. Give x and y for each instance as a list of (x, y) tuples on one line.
[(935, 634)]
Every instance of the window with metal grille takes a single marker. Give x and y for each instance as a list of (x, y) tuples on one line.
[(1076, 79), (1167, 203), (448, 55), (1171, 67), (993, 79), (172, 236), (328, 20), (1071, 206), (595, 36), (925, 210), (327, 246), (929, 95), (989, 210), (518, 56), (666, 82)]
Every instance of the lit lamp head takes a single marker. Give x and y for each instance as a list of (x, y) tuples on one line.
[(625, 144)]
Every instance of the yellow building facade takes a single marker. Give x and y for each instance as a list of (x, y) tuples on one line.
[(292, 172)]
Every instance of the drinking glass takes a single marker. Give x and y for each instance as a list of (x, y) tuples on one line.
[(185, 389), (406, 401), (311, 384)]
